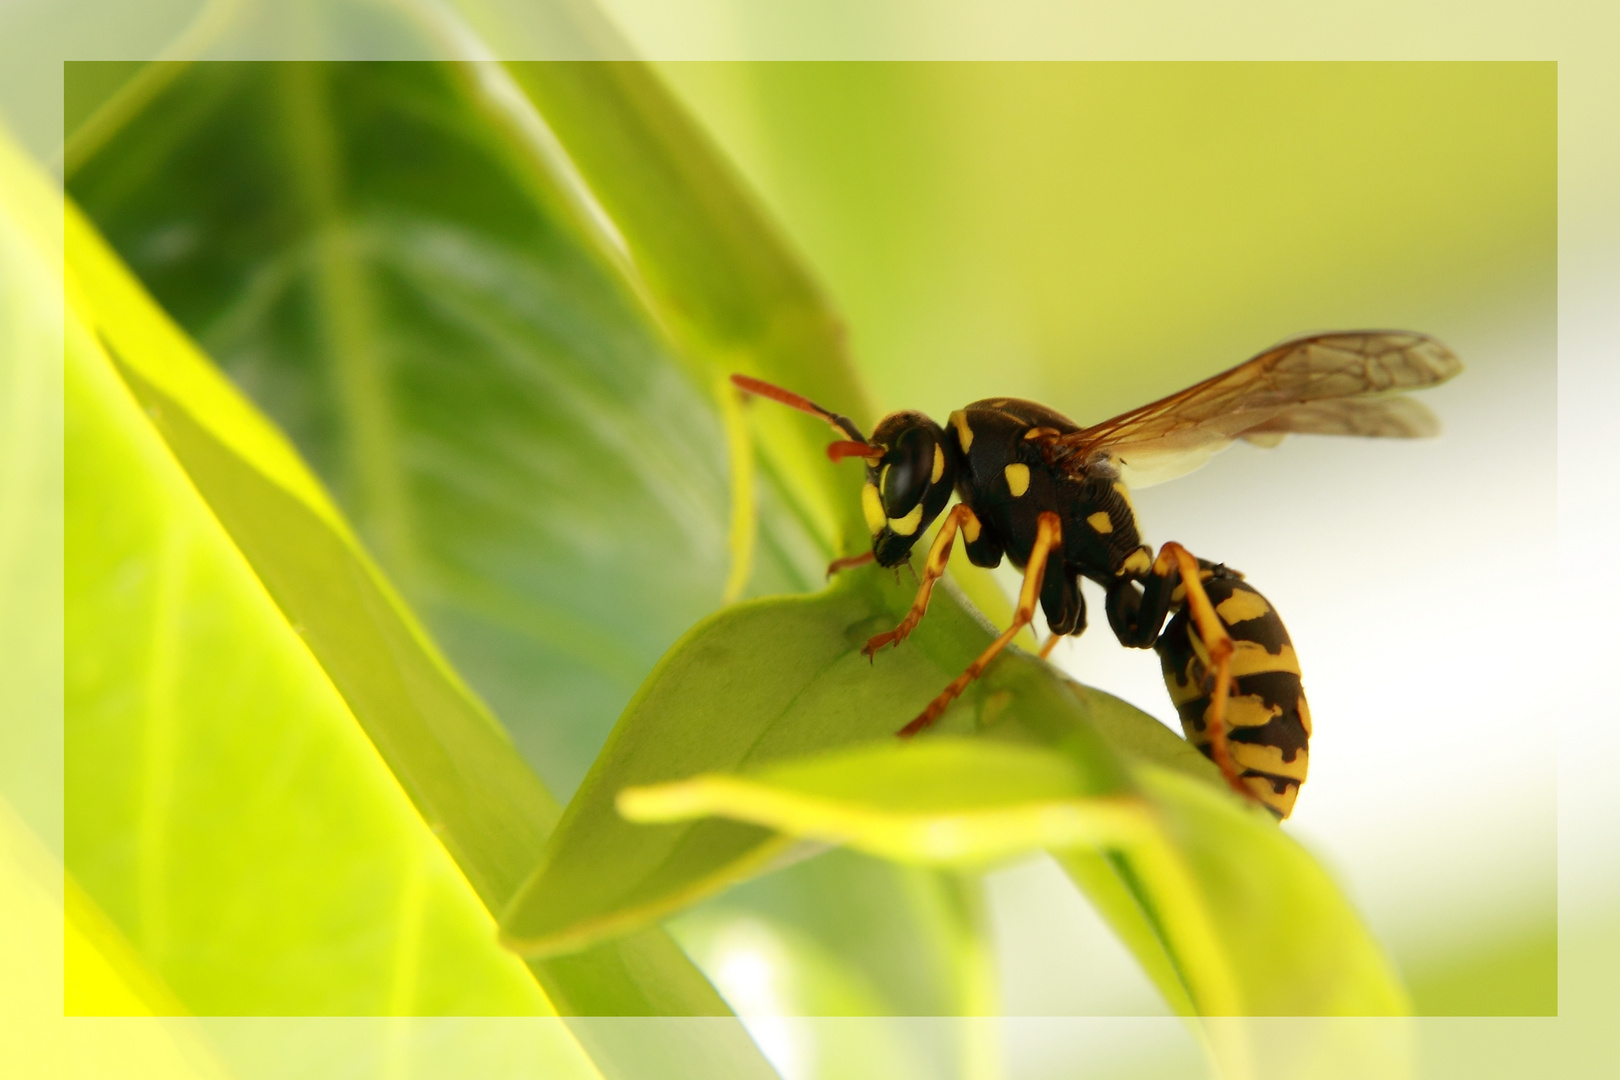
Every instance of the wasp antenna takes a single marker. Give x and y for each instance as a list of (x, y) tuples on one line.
[(838, 451), (795, 401)]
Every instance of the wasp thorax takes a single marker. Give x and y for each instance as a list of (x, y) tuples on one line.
[(908, 486)]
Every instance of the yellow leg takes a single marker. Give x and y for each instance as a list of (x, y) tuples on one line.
[(938, 556), (1218, 643), (1048, 535), (1051, 643)]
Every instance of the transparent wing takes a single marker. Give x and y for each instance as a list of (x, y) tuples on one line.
[(1393, 417), (1327, 384)]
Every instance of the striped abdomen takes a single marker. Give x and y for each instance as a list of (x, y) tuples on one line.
[(1268, 721)]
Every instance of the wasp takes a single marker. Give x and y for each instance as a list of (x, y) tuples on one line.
[(1053, 498)]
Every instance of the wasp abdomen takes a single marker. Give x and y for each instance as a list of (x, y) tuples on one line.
[(1268, 720)]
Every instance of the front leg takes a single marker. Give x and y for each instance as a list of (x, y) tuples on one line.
[(961, 516), (1048, 538)]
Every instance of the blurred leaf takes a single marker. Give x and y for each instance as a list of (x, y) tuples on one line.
[(191, 700), (378, 264), (1250, 922), (720, 274), (460, 771), (455, 763), (40, 929), (945, 800)]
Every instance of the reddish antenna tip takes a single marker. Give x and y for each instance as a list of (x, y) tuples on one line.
[(838, 451), (795, 401)]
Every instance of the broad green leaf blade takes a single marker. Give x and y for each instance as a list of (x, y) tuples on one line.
[(457, 766), (437, 737), (210, 760), (764, 681), (947, 800)]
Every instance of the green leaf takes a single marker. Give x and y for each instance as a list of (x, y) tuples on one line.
[(191, 698), (764, 681), (946, 800), (459, 769), (372, 256), (720, 275), (1227, 914)]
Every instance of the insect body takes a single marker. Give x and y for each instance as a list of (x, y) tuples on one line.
[(1051, 496)]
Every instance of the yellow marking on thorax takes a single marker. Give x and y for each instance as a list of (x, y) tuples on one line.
[(1137, 562), (939, 465), (1100, 521), (1017, 478), (1242, 606), (907, 525), (1125, 494), (963, 432), (872, 508), (1040, 433)]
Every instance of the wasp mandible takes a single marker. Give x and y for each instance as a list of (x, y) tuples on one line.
[(1053, 498)]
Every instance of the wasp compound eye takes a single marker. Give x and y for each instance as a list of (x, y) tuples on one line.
[(906, 469)]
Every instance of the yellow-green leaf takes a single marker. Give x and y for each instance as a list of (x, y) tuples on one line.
[(947, 800)]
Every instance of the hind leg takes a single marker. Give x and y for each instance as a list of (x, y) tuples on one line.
[(1217, 644)]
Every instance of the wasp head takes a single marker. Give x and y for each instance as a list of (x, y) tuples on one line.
[(908, 486)]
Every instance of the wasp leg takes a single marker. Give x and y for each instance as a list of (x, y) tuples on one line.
[(849, 562), (961, 516), (1063, 603), (1218, 643), (1048, 535), (1138, 607)]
